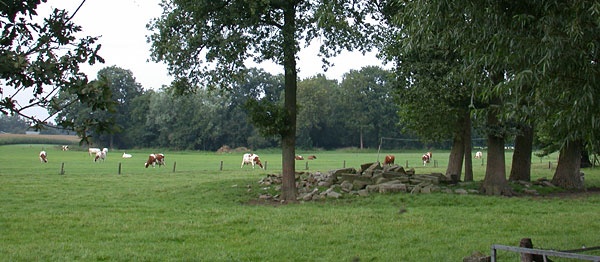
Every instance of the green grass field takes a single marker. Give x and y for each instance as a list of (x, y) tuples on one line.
[(91, 213)]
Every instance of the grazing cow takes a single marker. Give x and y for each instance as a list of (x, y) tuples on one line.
[(43, 158), (100, 156), (126, 155), (160, 159), (251, 159), (478, 155), (92, 151), (312, 157), (65, 148), (426, 158), (154, 159), (299, 157), (389, 159), (151, 161)]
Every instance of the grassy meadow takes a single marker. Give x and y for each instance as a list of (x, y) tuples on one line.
[(91, 213)]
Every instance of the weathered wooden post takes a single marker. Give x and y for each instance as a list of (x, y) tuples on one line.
[(62, 168), (406, 163), (306, 165), (174, 165), (265, 165), (119, 168), (344, 164), (221, 167)]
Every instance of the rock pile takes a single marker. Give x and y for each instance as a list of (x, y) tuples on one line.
[(370, 178)]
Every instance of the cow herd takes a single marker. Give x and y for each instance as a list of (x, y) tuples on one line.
[(247, 159)]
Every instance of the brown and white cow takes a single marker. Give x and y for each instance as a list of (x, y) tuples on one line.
[(160, 159), (299, 157), (65, 148), (43, 157), (251, 159), (154, 159), (426, 158), (312, 157), (389, 159), (100, 156)]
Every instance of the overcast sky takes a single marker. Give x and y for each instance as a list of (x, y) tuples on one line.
[(121, 25)]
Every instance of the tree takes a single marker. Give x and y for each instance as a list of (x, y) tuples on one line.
[(39, 59), (207, 43), (123, 89), (317, 102), (367, 101), (13, 124), (433, 95)]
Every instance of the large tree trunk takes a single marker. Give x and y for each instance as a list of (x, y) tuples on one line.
[(288, 137), (468, 148), (521, 163), (457, 153), (567, 174), (495, 182)]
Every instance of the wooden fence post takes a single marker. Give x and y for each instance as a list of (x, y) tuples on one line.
[(549, 164), (406, 163), (306, 165), (344, 164), (62, 168), (119, 168), (221, 167), (174, 165), (265, 165)]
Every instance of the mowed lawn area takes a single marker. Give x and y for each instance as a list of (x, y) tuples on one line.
[(91, 213)]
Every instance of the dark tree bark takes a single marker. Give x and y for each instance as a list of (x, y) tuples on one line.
[(521, 163), (567, 174), (468, 148), (495, 182), (288, 137), (457, 153)]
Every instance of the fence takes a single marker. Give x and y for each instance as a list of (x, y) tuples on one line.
[(529, 254)]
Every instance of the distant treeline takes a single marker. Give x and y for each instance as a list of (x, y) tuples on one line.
[(355, 112)]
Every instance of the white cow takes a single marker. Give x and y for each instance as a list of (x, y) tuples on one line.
[(43, 158), (126, 155), (478, 155), (251, 159), (93, 150), (65, 148)]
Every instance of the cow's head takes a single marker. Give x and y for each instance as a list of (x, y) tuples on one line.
[(257, 161)]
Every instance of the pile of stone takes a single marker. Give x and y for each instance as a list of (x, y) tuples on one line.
[(370, 178)]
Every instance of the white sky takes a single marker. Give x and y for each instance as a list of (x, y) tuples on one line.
[(121, 25)]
